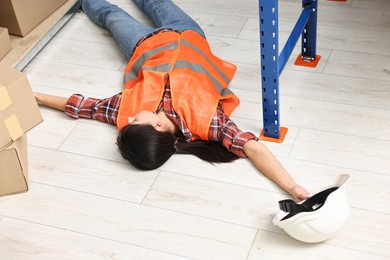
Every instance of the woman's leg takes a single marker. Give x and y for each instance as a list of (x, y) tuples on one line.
[(165, 14), (125, 29)]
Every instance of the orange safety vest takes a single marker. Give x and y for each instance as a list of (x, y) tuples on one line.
[(198, 80)]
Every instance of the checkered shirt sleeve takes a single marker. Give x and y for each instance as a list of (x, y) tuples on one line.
[(104, 110)]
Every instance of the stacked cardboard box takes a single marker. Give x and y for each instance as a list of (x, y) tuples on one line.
[(21, 16), (19, 113), (5, 42)]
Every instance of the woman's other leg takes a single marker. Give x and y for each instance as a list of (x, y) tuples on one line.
[(164, 13), (125, 29)]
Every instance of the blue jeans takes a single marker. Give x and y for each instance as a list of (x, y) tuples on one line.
[(127, 31)]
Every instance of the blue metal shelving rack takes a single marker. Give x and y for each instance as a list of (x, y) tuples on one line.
[(272, 64)]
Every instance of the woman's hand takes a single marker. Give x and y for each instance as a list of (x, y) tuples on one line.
[(299, 193)]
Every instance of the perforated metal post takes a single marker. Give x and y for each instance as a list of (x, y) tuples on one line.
[(309, 34), (269, 51)]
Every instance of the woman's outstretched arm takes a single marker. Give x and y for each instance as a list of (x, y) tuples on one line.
[(55, 102), (268, 164), (76, 106)]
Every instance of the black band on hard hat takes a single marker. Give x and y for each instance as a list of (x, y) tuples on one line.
[(311, 204)]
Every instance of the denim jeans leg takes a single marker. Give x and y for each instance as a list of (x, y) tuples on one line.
[(166, 14), (125, 29)]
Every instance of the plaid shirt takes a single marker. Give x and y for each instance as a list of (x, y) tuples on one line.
[(222, 128)]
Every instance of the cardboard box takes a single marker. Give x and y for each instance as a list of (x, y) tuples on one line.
[(21, 16), (5, 42), (13, 168), (19, 112)]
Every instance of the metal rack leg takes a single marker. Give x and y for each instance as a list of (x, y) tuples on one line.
[(269, 52), (308, 57), (309, 34)]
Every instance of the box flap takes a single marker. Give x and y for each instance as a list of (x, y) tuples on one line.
[(19, 111), (5, 42), (13, 171)]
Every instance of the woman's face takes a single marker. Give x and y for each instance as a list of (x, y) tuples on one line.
[(145, 118)]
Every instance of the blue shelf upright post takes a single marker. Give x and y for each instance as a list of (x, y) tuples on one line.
[(309, 34), (269, 57), (308, 57)]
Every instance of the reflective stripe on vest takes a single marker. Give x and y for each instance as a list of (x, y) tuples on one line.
[(198, 68), (225, 78), (133, 73), (183, 64)]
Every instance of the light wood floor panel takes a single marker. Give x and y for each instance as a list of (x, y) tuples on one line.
[(239, 172), (358, 65), (364, 232), (54, 130), (93, 82), (83, 53), (54, 243), (95, 140), (340, 15), (215, 200), (356, 91), (131, 223), (221, 7), (337, 149), (267, 246), (377, 4), (91, 175)]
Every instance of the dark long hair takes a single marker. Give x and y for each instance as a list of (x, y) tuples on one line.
[(147, 149)]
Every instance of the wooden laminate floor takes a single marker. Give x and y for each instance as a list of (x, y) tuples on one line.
[(86, 202)]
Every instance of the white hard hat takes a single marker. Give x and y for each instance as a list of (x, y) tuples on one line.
[(319, 217)]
